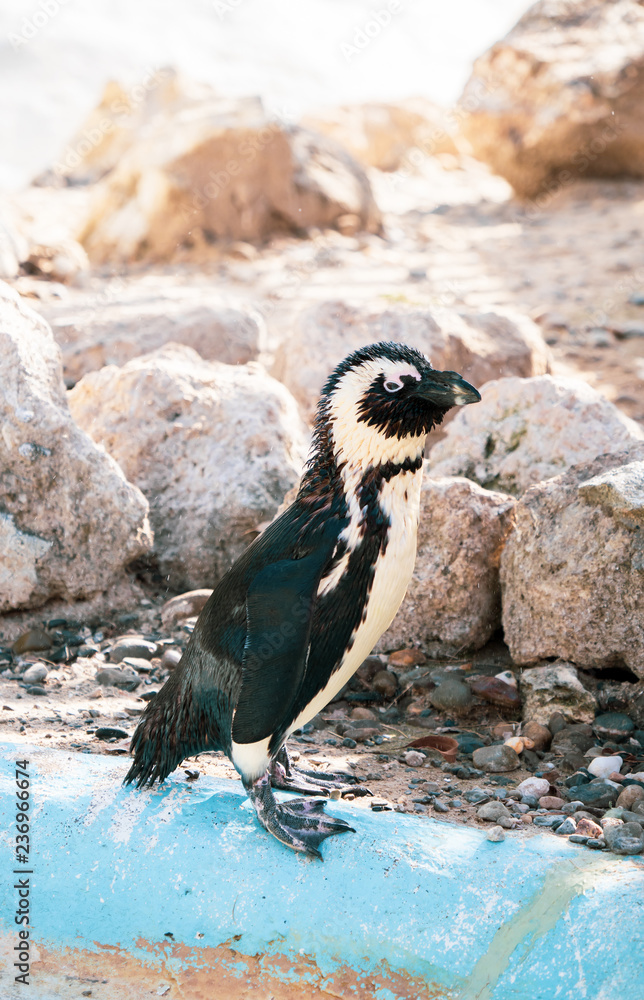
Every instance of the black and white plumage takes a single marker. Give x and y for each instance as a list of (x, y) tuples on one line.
[(304, 605)]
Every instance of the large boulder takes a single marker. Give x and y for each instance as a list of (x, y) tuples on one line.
[(572, 571), (136, 319), (381, 135), (481, 346), (221, 169), (453, 602), (560, 97), (69, 520), (214, 448), (527, 430)]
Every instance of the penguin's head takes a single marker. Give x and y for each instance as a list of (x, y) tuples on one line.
[(382, 400)]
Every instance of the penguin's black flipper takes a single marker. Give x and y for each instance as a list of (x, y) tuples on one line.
[(279, 606)]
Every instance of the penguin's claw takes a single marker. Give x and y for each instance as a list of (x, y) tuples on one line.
[(302, 824), (292, 779)]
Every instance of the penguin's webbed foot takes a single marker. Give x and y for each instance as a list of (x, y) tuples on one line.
[(292, 779), (300, 824)]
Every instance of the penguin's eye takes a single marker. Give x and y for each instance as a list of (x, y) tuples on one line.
[(392, 386)]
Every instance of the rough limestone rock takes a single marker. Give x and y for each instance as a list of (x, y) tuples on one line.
[(572, 571), (527, 430), (560, 97), (555, 687), (69, 520), (214, 448), (214, 169), (454, 600), (382, 135), (481, 346), (14, 247), (139, 318)]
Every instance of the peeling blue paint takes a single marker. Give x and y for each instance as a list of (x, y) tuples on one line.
[(529, 917)]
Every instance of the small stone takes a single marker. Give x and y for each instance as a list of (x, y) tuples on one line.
[(495, 759), (551, 802), (452, 695), (385, 683), (613, 725), (36, 689), (527, 818), (535, 787), (170, 658), (601, 796), (413, 759), (540, 735), (630, 795), (139, 664), (380, 805), (567, 827), (556, 723), (503, 730), (111, 733), (36, 673), (627, 838), (96, 693), (476, 796), (495, 834), (496, 691), (407, 658), (32, 641), (551, 821), (361, 714), (132, 646), (575, 838), (351, 744), (572, 807), (603, 767), (596, 843), (573, 739), (115, 677), (492, 812), (187, 605), (468, 742), (363, 733), (578, 778), (440, 807)]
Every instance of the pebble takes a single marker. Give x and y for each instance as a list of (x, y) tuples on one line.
[(468, 742), (431, 787), (170, 658), (575, 838), (556, 723), (550, 820), (407, 658), (351, 744), (36, 689), (626, 838), (613, 725), (495, 758), (32, 641), (603, 767), (572, 807), (573, 739), (496, 691), (601, 795), (630, 795), (440, 806), (133, 646), (184, 606), (111, 733), (35, 673), (540, 735), (567, 827), (385, 683), (361, 714), (496, 834), (476, 796), (96, 693), (588, 828), (115, 677), (535, 787), (596, 843), (452, 695), (551, 802), (413, 759), (492, 812), (139, 664)]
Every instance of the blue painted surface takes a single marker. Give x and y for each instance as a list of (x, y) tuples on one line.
[(531, 917)]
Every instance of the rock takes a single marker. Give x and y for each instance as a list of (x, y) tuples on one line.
[(492, 812), (128, 680), (406, 658), (539, 734), (619, 491), (573, 739), (555, 686), (551, 821), (184, 606), (468, 742), (496, 691), (629, 796), (495, 834), (380, 135), (69, 520), (551, 802), (170, 658), (567, 827), (535, 787), (452, 695), (452, 602), (35, 673), (588, 828), (385, 683), (132, 646), (110, 733), (561, 546), (526, 430), (556, 722), (211, 169), (361, 714), (613, 725), (628, 838), (214, 448), (480, 345), (138, 663), (559, 97), (33, 641), (138, 319), (601, 795), (603, 767), (495, 759), (412, 758), (14, 248), (476, 796)]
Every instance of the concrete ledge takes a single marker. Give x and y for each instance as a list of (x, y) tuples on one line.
[(177, 892)]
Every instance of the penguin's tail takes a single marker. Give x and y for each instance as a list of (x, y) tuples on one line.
[(178, 723)]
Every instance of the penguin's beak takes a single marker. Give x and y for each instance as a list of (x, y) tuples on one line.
[(447, 389)]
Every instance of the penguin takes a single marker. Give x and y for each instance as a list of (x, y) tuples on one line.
[(301, 608)]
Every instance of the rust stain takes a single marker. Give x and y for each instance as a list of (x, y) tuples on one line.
[(220, 973)]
